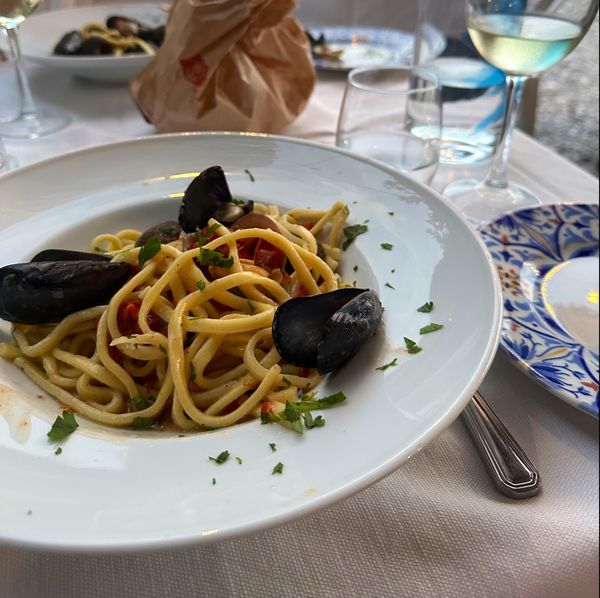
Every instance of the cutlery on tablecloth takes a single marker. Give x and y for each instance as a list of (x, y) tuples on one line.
[(513, 474)]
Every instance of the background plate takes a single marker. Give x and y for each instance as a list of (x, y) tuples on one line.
[(547, 258), (41, 32), (122, 490)]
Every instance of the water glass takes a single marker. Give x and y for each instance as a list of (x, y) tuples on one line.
[(393, 115)]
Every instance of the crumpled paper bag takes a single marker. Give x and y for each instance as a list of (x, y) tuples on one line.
[(227, 65)]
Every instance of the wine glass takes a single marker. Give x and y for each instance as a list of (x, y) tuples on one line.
[(523, 38), (32, 122)]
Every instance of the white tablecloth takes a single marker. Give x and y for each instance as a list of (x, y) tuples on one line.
[(436, 527)]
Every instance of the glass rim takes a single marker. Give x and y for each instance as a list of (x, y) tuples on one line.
[(434, 84)]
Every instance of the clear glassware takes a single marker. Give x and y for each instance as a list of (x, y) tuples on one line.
[(32, 121), (393, 115), (523, 38)]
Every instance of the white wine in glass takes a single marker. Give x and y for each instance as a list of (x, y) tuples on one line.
[(32, 122), (523, 38)]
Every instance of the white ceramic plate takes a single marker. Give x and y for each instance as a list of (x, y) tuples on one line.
[(40, 33), (122, 490)]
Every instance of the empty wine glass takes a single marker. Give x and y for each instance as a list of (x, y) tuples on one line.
[(32, 121), (523, 38)]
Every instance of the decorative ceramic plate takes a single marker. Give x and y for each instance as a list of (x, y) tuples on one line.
[(547, 258), (41, 32), (368, 46), (132, 490)]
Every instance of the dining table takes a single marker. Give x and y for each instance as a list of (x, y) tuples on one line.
[(436, 526)]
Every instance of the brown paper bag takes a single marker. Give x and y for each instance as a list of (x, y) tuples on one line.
[(227, 65)]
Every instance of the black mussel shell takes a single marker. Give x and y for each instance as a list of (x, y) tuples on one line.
[(167, 232), (154, 36), (126, 27), (207, 197), (325, 331), (47, 292), (94, 46), (66, 255), (70, 44)]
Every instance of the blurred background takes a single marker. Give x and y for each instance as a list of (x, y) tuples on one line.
[(561, 109)]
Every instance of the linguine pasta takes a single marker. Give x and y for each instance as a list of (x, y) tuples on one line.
[(184, 343)]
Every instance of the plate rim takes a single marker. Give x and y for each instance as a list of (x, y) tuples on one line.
[(346, 490), (521, 364)]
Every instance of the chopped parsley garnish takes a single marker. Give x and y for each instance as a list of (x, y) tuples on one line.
[(427, 308), (273, 447), (313, 422), (238, 202), (200, 285), (389, 286), (149, 250), (286, 381), (352, 233), (239, 460), (222, 458), (387, 366), (214, 481), (250, 175), (142, 423), (355, 268), (387, 246), (208, 257), (411, 346), (269, 418), (192, 372), (431, 328), (58, 451), (278, 469), (63, 426), (138, 403), (391, 213), (308, 403), (98, 249), (204, 238), (162, 349), (292, 415), (251, 307)]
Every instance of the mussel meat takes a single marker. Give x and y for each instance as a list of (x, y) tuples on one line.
[(325, 331), (47, 292), (208, 196), (126, 27), (167, 232)]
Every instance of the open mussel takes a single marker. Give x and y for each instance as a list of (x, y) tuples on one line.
[(208, 196), (45, 292), (325, 331), (166, 232)]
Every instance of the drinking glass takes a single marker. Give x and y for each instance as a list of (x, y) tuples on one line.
[(393, 115), (32, 121), (523, 38)]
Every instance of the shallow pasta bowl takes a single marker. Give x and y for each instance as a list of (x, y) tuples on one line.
[(133, 490), (41, 32)]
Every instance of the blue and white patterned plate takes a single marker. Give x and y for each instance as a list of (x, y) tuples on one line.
[(371, 46), (547, 258)]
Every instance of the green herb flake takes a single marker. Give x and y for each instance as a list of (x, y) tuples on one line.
[(391, 213), (310, 404), (250, 175), (411, 346), (192, 372), (208, 257), (214, 481), (355, 268), (352, 233), (204, 238), (251, 307), (286, 381), (278, 469), (142, 423), (149, 250), (222, 458), (273, 447), (162, 349), (138, 403), (387, 246), (239, 460), (292, 415), (390, 286), (269, 418), (58, 451), (63, 426), (431, 328), (100, 250), (200, 285), (313, 422), (387, 366), (427, 308), (238, 202)]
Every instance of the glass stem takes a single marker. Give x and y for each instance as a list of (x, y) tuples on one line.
[(28, 108), (497, 177)]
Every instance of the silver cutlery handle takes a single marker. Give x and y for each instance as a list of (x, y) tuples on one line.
[(511, 471)]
